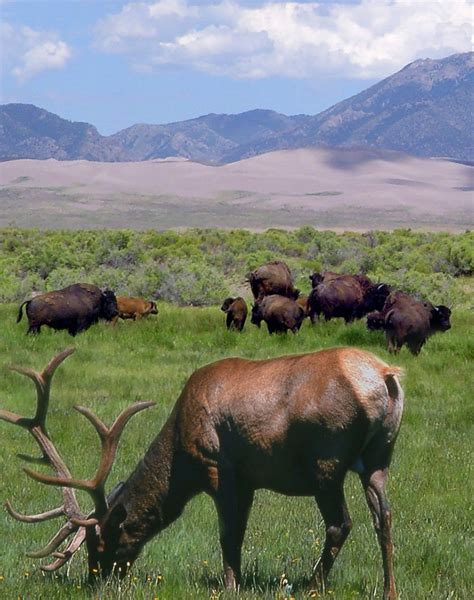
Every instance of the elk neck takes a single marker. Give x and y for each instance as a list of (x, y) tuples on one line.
[(162, 483)]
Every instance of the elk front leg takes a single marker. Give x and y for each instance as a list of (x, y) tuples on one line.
[(374, 487), (233, 502), (333, 508)]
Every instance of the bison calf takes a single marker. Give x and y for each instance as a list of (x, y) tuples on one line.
[(279, 313), (134, 308), (236, 312)]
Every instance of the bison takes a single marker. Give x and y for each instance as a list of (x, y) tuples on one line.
[(74, 308), (407, 320), (279, 313), (273, 278), (348, 296), (134, 308), (236, 312), (317, 278)]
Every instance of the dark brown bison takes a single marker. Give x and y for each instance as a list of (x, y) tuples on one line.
[(317, 278), (348, 296), (409, 321), (134, 308), (236, 312), (279, 313), (273, 278), (74, 308)]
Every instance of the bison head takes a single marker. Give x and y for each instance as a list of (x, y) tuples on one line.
[(440, 318), (375, 320), (257, 314), (374, 297), (316, 279), (226, 304), (108, 305)]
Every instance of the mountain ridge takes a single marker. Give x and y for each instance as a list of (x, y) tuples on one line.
[(425, 109)]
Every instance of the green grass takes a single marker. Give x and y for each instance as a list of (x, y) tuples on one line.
[(430, 487)]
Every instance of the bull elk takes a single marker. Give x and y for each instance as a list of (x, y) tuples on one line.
[(295, 425)]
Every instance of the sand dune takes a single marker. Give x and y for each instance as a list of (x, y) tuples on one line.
[(322, 187)]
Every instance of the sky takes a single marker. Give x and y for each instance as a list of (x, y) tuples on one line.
[(115, 63)]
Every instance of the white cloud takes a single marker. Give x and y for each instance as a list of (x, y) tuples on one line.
[(27, 52), (291, 39)]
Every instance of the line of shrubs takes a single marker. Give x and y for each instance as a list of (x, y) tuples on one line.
[(202, 266)]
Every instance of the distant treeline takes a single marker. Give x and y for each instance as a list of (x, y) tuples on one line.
[(203, 266)]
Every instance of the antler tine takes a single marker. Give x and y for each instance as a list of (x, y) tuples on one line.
[(42, 382), (37, 426), (55, 541), (109, 438), (45, 516), (54, 363), (63, 557)]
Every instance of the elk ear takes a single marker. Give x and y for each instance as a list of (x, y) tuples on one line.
[(115, 518)]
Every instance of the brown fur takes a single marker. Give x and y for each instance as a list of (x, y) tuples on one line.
[(303, 302), (279, 313), (407, 320), (236, 313), (75, 308), (272, 278), (347, 296), (134, 308), (294, 425)]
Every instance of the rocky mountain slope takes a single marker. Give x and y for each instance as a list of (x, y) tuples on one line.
[(426, 109)]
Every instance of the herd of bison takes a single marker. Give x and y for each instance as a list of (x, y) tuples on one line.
[(404, 318)]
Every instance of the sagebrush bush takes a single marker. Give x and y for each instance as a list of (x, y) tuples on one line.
[(200, 266)]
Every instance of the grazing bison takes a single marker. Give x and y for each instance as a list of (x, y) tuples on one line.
[(74, 308), (279, 313), (272, 278), (134, 308), (348, 296), (409, 321), (317, 278), (236, 312)]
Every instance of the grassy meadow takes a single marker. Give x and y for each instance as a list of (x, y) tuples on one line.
[(430, 487)]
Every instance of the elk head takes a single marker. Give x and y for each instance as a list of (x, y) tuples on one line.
[(103, 523)]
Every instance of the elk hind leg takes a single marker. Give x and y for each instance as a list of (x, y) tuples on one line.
[(374, 487), (333, 508), (233, 502)]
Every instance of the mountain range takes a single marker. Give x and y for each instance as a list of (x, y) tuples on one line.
[(425, 109)]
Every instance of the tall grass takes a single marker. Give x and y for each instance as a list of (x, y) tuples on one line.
[(430, 485)]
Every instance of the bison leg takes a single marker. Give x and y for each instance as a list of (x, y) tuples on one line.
[(313, 316), (392, 344), (34, 330), (415, 347), (229, 321), (233, 503), (333, 508)]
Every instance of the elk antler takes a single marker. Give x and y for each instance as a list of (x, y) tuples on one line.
[(50, 456), (76, 522), (109, 438)]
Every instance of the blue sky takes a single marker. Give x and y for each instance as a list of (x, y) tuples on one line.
[(117, 63)]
